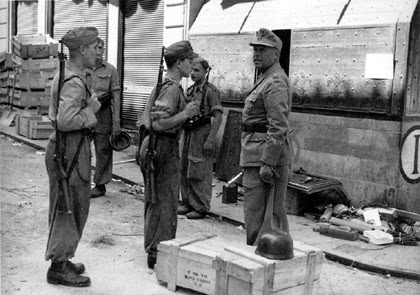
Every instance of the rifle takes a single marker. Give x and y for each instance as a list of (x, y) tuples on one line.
[(151, 149), (59, 156)]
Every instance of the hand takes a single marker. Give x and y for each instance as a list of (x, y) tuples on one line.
[(208, 148), (191, 109), (93, 103), (266, 174)]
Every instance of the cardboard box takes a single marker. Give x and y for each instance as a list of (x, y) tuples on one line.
[(34, 46), (34, 127), (211, 265)]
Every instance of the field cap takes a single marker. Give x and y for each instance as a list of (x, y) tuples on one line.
[(180, 50), (267, 38), (80, 36)]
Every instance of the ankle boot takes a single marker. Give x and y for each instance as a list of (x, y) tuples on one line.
[(61, 273)]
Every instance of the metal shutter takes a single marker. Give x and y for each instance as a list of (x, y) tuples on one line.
[(143, 40), (68, 15), (27, 17)]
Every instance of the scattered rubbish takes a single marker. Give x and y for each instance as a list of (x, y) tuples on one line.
[(378, 237), (339, 232), (105, 240), (372, 217), (40, 152)]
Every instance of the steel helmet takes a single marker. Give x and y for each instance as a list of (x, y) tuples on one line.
[(276, 244), (120, 140)]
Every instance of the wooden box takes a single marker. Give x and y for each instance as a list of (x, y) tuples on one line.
[(242, 272), (34, 46), (34, 127), (6, 62), (211, 265)]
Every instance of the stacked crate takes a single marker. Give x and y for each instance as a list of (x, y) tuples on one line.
[(36, 61), (6, 76)]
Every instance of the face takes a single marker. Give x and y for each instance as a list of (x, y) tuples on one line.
[(185, 67), (265, 57), (99, 56), (198, 72), (90, 53)]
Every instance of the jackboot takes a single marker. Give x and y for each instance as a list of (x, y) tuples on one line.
[(98, 191), (61, 273)]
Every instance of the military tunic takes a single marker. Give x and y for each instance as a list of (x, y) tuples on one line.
[(104, 79), (160, 217), (266, 110), (73, 118), (196, 169)]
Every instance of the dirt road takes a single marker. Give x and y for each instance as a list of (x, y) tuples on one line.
[(112, 244)]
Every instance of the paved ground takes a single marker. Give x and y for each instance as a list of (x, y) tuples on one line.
[(112, 243)]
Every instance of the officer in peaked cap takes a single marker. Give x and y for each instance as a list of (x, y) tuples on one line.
[(80, 36), (169, 110), (73, 113), (266, 153), (267, 38)]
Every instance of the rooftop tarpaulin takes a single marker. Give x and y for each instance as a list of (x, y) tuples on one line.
[(248, 16)]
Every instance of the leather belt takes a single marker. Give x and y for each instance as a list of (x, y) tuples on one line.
[(256, 128), (166, 134)]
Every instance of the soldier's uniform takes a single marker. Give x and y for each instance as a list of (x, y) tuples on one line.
[(74, 118), (265, 140), (160, 217), (104, 79), (196, 169)]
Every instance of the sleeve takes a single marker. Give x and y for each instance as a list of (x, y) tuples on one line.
[(115, 80), (73, 113), (213, 97), (276, 102), (166, 104)]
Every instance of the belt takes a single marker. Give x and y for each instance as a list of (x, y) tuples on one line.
[(255, 128), (166, 134)]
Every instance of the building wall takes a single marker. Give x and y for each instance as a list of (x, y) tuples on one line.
[(4, 26)]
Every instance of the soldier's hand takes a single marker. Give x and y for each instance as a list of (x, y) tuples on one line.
[(191, 109), (93, 103), (266, 174)]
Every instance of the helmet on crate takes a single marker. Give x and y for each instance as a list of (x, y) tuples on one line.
[(276, 244), (120, 140)]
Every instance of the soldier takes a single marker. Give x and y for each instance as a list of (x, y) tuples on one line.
[(170, 111), (104, 81), (266, 154), (73, 119), (198, 144)]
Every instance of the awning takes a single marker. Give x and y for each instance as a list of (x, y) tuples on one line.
[(219, 17)]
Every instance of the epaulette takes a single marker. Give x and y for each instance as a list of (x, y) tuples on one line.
[(213, 87)]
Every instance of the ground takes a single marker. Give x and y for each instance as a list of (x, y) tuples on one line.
[(112, 244)]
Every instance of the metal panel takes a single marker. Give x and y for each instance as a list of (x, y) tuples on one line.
[(143, 39), (328, 66), (27, 17), (71, 14)]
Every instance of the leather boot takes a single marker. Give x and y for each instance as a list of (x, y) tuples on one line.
[(61, 273), (78, 268), (98, 191)]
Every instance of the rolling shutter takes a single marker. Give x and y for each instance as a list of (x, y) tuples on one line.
[(143, 40), (27, 17), (68, 15)]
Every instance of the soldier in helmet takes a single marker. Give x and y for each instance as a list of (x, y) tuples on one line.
[(266, 153), (74, 118), (104, 81)]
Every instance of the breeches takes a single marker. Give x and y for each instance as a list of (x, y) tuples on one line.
[(66, 229), (256, 194), (103, 154)]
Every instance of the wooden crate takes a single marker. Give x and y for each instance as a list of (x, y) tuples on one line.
[(31, 98), (34, 46), (34, 127), (211, 265), (242, 272), (6, 62), (35, 65)]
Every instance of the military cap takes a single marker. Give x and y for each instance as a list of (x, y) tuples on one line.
[(180, 50), (267, 38), (80, 36)]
